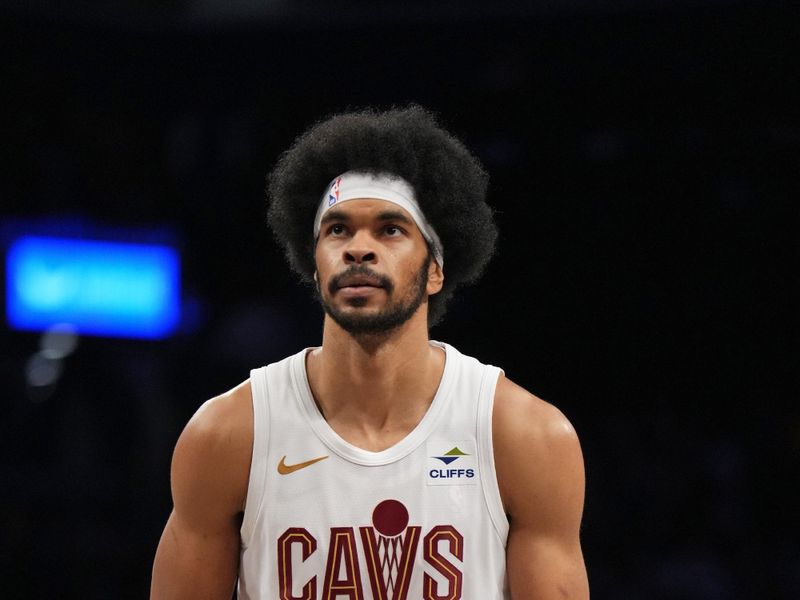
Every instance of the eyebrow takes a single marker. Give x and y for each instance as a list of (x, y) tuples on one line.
[(334, 215), (342, 216), (394, 215)]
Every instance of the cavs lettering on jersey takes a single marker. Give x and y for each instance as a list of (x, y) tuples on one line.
[(325, 520)]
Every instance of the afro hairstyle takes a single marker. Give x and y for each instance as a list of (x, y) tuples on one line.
[(449, 182)]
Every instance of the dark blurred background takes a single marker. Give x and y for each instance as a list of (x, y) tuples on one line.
[(644, 159)]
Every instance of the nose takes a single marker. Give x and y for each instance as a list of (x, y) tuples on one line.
[(359, 250)]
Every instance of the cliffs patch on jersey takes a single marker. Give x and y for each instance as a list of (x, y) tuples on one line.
[(452, 465), (390, 549)]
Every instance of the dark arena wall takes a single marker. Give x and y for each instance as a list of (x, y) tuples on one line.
[(643, 162)]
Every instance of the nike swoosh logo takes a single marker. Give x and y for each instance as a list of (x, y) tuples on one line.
[(285, 469)]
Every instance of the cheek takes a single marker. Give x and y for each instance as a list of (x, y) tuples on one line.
[(324, 263)]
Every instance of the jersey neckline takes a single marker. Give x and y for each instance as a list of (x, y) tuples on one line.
[(353, 453)]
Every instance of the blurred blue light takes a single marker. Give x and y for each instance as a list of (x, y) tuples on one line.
[(100, 288)]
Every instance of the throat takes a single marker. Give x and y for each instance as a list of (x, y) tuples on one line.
[(372, 419), (374, 406), (369, 439)]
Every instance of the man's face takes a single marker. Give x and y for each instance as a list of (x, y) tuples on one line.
[(374, 269)]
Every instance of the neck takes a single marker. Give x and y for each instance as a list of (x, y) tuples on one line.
[(377, 383)]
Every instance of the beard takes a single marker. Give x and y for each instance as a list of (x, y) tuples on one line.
[(389, 318)]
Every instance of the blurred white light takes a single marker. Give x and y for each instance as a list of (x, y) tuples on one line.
[(59, 341), (42, 371)]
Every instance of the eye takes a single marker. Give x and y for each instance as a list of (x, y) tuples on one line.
[(336, 229), (393, 230)]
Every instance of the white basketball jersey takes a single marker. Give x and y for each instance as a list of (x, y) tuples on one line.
[(325, 520)]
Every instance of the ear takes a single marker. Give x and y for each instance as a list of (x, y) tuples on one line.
[(435, 278)]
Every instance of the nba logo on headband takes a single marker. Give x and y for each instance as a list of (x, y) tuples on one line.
[(333, 194)]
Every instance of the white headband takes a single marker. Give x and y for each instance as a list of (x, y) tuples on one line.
[(357, 186)]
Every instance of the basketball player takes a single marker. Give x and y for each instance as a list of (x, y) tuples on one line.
[(381, 465)]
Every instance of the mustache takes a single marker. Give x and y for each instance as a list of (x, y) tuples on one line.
[(359, 270)]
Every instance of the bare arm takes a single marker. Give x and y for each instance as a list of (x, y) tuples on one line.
[(541, 478), (198, 555)]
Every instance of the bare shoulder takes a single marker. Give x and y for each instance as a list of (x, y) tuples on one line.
[(537, 452), (223, 424), (224, 415), (519, 416), (212, 455)]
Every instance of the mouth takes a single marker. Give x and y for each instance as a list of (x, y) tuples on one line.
[(359, 283)]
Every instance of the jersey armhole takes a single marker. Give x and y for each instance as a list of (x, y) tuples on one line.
[(258, 461), (491, 489)]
